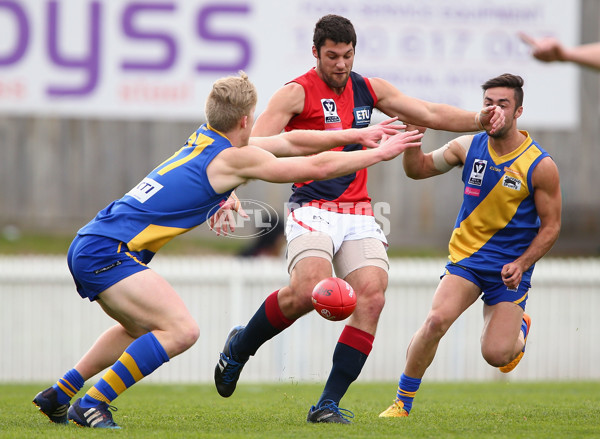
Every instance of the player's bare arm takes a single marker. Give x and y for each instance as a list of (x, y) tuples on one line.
[(306, 142), (550, 49), (432, 115), (235, 166), (303, 142), (548, 204), (419, 165)]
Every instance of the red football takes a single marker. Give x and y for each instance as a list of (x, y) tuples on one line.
[(334, 298)]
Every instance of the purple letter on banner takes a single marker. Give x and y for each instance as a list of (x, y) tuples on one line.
[(130, 30), (203, 31), (22, 37), (89, 64)]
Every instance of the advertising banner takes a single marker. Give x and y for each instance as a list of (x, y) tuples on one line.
[(157, 59)]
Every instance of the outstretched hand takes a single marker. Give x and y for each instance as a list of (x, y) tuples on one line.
[(223, 221), (545, 49), (393, 146), (491, 118), (370, 136)]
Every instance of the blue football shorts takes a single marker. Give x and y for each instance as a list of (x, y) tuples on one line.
[(491, 284), (97, 262)]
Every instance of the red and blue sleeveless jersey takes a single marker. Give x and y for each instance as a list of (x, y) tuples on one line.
[(498, 218), (172, 199), (326, 110)]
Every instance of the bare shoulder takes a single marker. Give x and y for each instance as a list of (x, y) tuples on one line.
[(545, 174), (383, 89), (287, 102), (393, 102), (290, 95)]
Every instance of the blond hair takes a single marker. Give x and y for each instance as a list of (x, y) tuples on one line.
[(230, 99)]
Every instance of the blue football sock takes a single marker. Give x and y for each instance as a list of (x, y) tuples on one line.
[(141, 358), (68, 386), (266, 323), (349, 357), (407, 388)]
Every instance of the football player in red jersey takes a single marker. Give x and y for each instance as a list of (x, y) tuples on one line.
[(331, 223)]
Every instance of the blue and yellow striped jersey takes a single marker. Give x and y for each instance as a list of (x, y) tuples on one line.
[(171, 200), (498, 219)]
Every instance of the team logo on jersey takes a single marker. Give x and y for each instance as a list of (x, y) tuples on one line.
[(362, 116), (477, 172), (330, 112), (145, 189), (511, 182)]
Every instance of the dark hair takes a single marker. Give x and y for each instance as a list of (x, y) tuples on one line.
[(335, 28), (509, 81)]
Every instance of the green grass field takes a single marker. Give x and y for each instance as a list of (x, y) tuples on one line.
[(442, 410)]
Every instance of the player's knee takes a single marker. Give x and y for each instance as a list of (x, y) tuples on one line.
[(301, 300), (295, 301), (435, 326), (298, 298), (186, 335), (496, 357), (371, 301)]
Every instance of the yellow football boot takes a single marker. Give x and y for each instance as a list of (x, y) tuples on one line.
[(396, 410)]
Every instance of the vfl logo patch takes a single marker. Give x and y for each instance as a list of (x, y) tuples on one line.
[(145, 189), (330, 111), (511, 182), (477, 172), (362, 116)]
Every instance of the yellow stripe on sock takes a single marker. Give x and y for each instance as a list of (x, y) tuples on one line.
[(94, 393), (407, 394), (114, 381), (131, 366), (67, 390)]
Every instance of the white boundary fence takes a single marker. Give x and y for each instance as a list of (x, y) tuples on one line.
[(45, 327)]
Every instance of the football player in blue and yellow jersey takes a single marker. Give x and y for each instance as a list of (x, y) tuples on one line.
[(109, 256), (510, 218)]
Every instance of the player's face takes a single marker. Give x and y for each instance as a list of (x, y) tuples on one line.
[(334, 63), (504, 98)]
